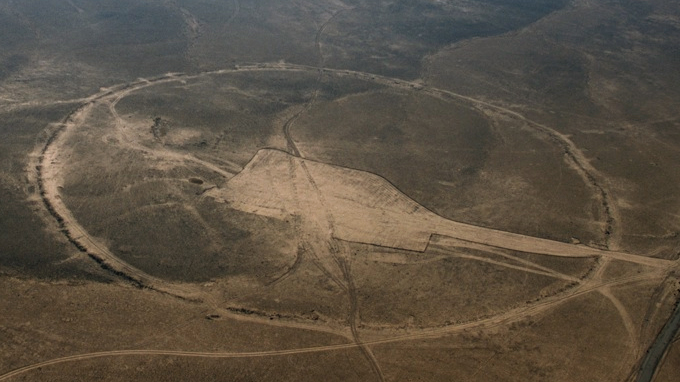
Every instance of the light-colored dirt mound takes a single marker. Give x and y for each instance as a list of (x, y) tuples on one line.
[(365, 208), (359, 206)]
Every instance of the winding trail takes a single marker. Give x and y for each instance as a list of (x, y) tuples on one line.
[(321, 260), (574, 155), (49, 182), (499, 320), (578, 160), (353, 319), (293, 149), (48, 173), (528, 269)]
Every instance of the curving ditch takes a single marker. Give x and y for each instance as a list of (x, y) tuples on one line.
[(660, 347)]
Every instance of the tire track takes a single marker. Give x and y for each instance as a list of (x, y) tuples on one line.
[(590, 175), (319, 33), (293, 149), (299, 257), (503, 319), (578, 160), (333, 251), (625, 318), (292, 173), (499, 252), (549, 273), (76, 234), (48, 186), (99, 254), (353, 316)]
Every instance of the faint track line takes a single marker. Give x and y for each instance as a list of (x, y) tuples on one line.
[(352, 318), (292, 146), (116, 91), (548, 273), (625, 317), (502, 319), (81, 239), (109, 259)]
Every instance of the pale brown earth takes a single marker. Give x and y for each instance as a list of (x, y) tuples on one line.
[(337, 190), (365, 208), (376, 267)]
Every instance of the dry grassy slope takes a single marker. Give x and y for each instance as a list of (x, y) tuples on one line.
[(484, 169), (42, 321), (603, 73), (63, 49)]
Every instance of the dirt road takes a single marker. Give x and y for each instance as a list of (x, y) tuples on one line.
[(321, 228)]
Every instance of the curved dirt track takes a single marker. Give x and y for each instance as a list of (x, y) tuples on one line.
[(50, 194), (502, 319), (335, 267), (49, 184)]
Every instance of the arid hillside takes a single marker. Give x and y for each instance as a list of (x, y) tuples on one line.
[(339, 190)]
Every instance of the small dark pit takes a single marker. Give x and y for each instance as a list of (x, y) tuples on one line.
[(196, 180)]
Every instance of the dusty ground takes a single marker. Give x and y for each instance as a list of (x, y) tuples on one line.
[(337, 190)]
